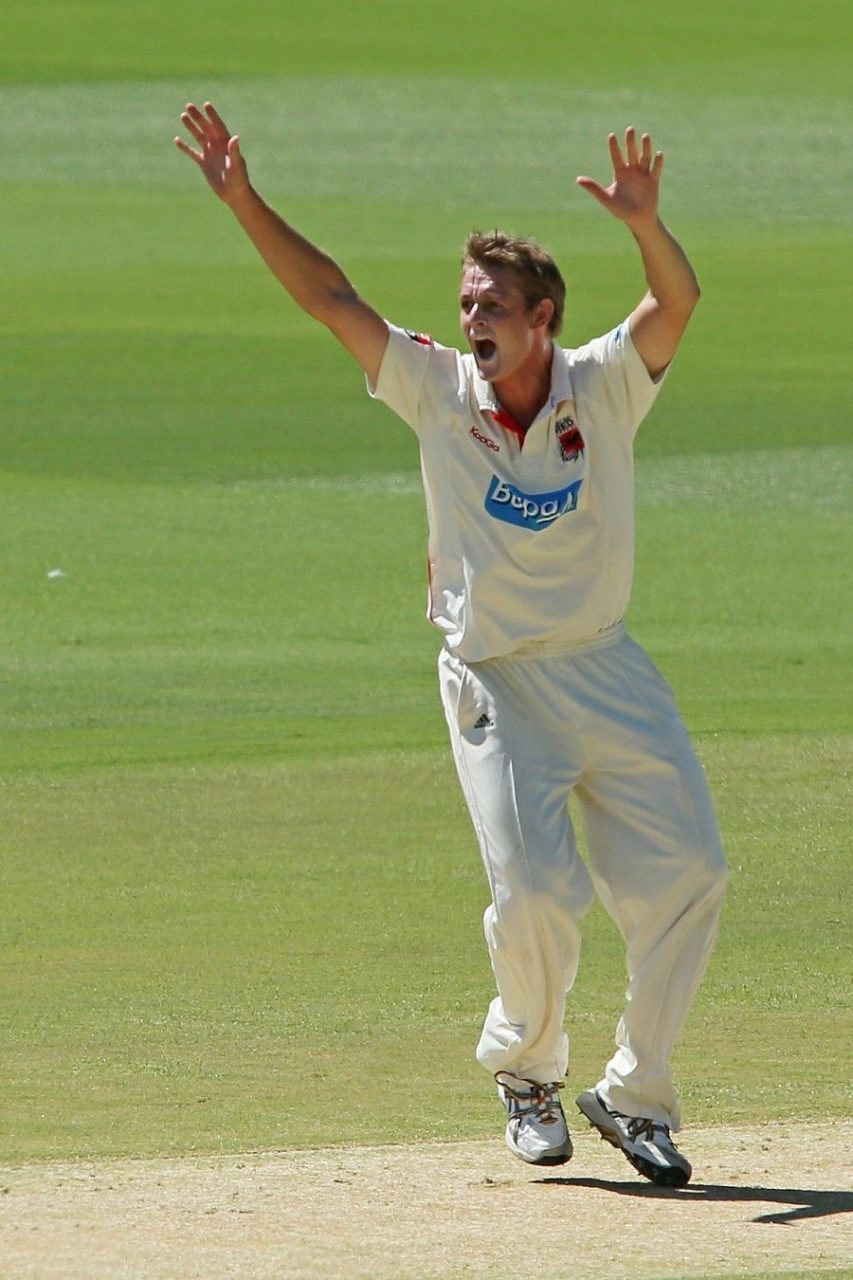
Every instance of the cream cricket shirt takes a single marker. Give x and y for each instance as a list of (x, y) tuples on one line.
[(531, 535)]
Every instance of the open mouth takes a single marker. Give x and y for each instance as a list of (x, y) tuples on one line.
[(484, 348)]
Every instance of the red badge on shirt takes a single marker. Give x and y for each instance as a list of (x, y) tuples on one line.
[(569, 438)]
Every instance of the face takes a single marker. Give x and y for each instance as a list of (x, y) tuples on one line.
[(503, 334)]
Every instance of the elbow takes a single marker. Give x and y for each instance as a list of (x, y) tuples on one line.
[(683, 307), (332, 303), (686, 298)]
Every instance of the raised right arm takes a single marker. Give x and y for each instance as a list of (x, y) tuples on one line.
[(313, 279)]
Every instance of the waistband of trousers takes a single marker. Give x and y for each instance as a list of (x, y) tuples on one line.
[(559, 645)]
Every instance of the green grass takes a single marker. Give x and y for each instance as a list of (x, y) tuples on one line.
[(237, 869), (192, 949), (738, 46)]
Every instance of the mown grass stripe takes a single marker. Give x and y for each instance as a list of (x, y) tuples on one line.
[(398, 139), (817, 481)]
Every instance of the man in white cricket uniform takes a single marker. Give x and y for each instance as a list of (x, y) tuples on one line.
[(526, 453)]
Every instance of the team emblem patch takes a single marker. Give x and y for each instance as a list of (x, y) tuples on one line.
[(423, 338), (569, 439)]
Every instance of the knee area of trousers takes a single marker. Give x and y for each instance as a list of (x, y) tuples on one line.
[(711, 874), (515, 911), (699, 879)]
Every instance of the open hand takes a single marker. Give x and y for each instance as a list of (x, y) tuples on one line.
[(219, 157), (632, 196)]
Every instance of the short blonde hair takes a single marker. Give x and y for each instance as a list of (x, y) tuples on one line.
[(534, 270)]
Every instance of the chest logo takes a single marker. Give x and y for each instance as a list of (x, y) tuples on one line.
[(483, 439), (569, 439), (530, 510)]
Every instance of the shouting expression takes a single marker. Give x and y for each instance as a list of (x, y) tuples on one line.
[(506, 336)]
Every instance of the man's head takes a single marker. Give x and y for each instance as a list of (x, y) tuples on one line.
[(531, 267), (511, 301)]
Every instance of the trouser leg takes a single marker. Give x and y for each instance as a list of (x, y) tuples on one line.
[(659, 870), (517, 796)]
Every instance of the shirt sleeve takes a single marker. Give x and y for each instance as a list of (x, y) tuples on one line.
[(612, 371), (417, 378)]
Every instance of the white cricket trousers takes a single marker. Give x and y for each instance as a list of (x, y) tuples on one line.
[(596, 719)]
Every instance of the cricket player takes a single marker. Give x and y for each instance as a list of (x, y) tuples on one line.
[(526, 457)]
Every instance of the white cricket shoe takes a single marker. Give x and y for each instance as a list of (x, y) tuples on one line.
[(536, 1130), (645, 1143)]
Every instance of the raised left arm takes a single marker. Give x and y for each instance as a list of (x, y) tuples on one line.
[(661, 317)]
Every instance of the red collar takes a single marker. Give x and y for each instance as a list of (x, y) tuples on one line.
[(506, 420)]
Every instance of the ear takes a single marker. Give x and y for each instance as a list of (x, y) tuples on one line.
[(542, 313)]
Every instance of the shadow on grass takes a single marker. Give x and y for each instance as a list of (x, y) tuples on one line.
[(808, 1203)]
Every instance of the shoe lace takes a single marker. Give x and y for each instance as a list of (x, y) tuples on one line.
[(638, 1128), (540, 1100)]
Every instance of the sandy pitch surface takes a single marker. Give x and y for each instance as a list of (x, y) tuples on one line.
[(773, 1200)]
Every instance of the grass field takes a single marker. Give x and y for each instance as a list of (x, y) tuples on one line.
[(241, 898)]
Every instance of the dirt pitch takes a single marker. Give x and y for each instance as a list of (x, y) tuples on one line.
[(762, 1202)]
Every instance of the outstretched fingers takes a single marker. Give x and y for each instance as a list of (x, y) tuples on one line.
[(594, 188), (197, 126), (215, 150), (615, 151), (207, 126), (632, 195), (635, 156), (650, 162), (216, 119), (194, 122), (640, 156), (183, 145)]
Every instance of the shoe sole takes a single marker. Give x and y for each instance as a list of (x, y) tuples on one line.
[(551, 1158), (560, 1155), (671, 1177)]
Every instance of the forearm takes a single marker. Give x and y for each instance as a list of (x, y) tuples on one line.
[(661, 317), (671, 279), (313, 279)]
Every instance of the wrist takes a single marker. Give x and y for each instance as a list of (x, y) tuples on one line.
[(646, 228), (240, 199)]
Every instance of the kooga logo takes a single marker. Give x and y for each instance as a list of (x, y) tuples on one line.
[(530, 510)]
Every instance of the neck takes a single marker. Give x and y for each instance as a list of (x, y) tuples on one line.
[(524, 393)]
